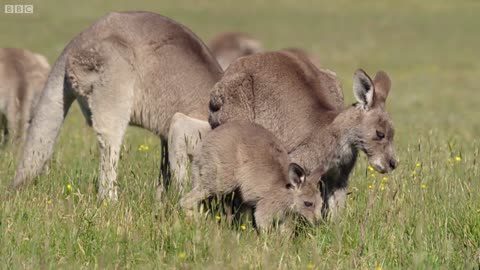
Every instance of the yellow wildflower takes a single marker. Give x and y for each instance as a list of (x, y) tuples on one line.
[(385, 179), (49, 201), (69, 187), (458, 159), (372, 175), (370, 168), (370, 186), (424, 186), (105, 203), (217, 217), (414, 172), (378, 268), (382, 187), (310, 266), (147, 148), (418, 164), (243, 227), (181, 255)]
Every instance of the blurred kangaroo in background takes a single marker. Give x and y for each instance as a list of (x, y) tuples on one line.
[(303, 107), (130, 67), (245, 158), (306, 55), (227, 47), (22, 76)]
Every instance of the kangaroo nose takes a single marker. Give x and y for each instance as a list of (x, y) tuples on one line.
[(393, 164)]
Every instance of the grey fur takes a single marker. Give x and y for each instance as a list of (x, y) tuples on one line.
[(22, 75), (244, 157), (303, 108), (136, 68), (227, 47)]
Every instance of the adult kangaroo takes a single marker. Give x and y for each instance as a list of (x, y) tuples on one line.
[(22, 75), (228, 46), (131, 67), (303, 107)]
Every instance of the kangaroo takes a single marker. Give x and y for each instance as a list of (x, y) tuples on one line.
[(243, 156), (227, 47), (302, 107), (304, 54), (137, 68), (23, 75)]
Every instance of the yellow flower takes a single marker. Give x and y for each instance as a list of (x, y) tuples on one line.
[(49, 201), (105, 203), (378, 267), (370, 168), (424, 186), (382, 187), (310, 266), (458, 159), (69, 187), (413, 172), (418, 164), (217, 217), (181, 255), (243, 227), (385, 179), (143, 147), (370, 186), (372, 175)]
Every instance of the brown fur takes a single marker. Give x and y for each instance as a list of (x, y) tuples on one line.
[(243, 156), (22, 75), (268, 87), (297, 102), (304, 54), (227, 47)]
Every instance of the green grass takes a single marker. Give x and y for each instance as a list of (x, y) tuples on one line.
[(426, 220)]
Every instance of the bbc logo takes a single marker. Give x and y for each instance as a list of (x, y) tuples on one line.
[(19, 9)]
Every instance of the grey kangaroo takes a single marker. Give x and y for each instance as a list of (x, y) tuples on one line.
[(23, 75), (303, 107), (243, 156), (227, 47), (137, 68)]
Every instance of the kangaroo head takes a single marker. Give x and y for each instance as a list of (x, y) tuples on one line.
[(307, 199), (375, 132)]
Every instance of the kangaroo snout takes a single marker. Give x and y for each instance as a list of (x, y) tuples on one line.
[(393, 164)]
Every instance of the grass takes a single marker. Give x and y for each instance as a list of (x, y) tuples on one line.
[(421, 217)]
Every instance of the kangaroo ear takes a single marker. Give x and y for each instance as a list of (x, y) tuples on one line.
[(296, 176), (363, 89), (382, 87)]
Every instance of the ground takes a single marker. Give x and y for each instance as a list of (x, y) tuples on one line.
[(424, 215)]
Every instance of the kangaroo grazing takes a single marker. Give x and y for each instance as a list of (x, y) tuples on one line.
[(243, 156), (227, 47), (303, 108), (137, 68), (23, 75)]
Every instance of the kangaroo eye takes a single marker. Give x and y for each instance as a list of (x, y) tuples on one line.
[(308, 204), (380, 135)]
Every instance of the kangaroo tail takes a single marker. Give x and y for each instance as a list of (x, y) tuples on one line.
[(48, 117)]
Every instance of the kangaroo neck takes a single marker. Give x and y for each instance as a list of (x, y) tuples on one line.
[(332, 145)]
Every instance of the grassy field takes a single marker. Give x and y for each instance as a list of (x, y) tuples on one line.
[(424, 215)]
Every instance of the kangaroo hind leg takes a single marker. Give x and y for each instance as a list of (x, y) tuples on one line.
[(103, 77)]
